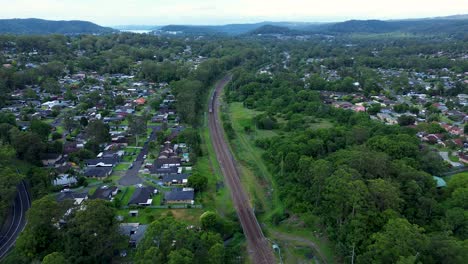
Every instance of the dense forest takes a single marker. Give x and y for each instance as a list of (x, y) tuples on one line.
[(368, 184)]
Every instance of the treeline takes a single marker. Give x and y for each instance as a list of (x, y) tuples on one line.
[(367, 184), (89, 233), (191, 92)]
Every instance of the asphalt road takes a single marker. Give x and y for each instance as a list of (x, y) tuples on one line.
[(258, 246), (131, 176), (16, 220)]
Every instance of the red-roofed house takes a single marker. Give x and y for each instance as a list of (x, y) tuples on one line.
[(140, 101)]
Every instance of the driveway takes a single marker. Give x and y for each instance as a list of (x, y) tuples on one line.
[(445, 156)]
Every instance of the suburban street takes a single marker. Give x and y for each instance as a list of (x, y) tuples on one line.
[(258, 246), (16, 220), (131, 176)]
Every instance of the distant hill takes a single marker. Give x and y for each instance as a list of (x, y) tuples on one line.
[(234, 29), (42, 27), (422, 26), (367, 26), (450, 25), (271, 29)]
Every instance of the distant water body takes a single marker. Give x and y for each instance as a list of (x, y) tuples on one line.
[(138, 31)]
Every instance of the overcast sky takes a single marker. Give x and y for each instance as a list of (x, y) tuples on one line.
[(163, 12)]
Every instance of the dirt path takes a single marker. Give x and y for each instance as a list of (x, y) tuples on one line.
[(293, 238)]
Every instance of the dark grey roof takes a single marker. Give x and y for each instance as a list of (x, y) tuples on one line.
[(171, 170), (70, 196), (141, 195), (97, 171), (178, 195), (93, 162), (104, 193), (159, 162), (136, 233), (176, 177)]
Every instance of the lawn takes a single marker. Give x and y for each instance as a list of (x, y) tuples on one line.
[(93, 181), (454, 158), (125, 195), (148, 215), (121, 167)]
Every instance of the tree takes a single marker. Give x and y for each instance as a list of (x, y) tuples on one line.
[(209, 220), (98, 131), (54, 258), (137, 126), (198, 181), (399, 238), (28, 146), (181, 256), (9, 179), (170, 241), (91, 235), (41, 128), (83, 121), (51, 85), (374, 109), (68, 121), (405, 120), (216, 254), (465, 129), (39, 238)]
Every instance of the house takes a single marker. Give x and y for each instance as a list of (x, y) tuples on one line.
[(167, 162), (140, 101), (134, 231), (142, 196), (105, 193), (433, 138), (180, 196), (64, 180), (102, 162), (342, 105), (163, 171), (175, 179), (49, 159), (98, 172), (78, 198), (463, 158)]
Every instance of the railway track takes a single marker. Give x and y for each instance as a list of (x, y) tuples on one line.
[(258, 246)]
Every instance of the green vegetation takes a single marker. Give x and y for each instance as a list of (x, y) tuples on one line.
[(355, 178)]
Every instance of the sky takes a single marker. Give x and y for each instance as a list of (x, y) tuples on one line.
[(215, 12)]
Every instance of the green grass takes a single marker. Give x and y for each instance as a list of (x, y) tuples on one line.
[(125, 195), (93, 181), (256, 178), (259, 182), (454, 158), (303, 233), (148, 215), (60, 129), (208, 165), (121, 167)]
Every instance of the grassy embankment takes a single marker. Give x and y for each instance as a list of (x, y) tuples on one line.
[(294, 239)]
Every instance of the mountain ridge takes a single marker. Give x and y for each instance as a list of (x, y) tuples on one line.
[(28, 26)]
